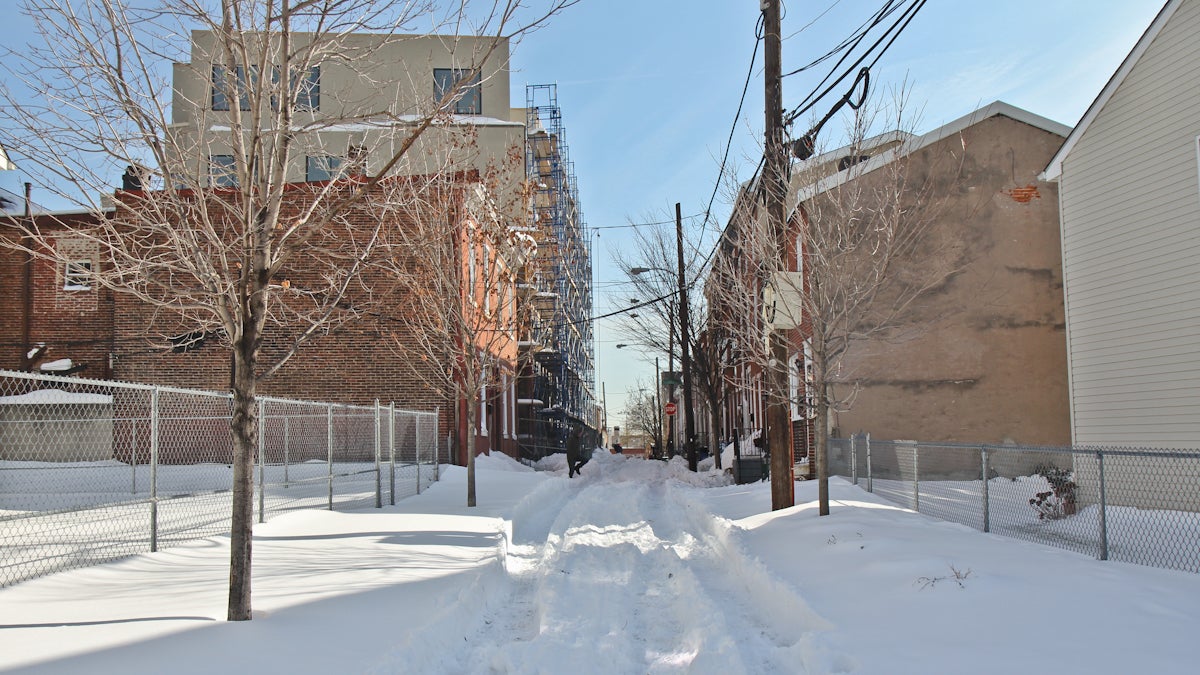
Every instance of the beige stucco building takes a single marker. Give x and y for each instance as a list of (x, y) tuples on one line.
[(357, 99)]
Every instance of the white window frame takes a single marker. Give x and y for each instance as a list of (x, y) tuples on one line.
[(794, 387), (78, 275), (810, 402), (483, 428)]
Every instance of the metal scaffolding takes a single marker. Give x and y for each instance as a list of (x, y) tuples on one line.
[(558, 349)]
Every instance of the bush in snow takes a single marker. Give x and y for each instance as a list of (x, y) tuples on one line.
[(1059, 501)]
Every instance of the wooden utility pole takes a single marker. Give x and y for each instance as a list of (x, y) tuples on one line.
[(689, 421), (779, 422)]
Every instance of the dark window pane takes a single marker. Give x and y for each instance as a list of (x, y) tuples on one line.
[(470, 98), (222, 170), (221, 87), (308, 93), (322, 167), (219, 100)]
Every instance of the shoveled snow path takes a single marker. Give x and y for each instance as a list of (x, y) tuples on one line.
[(633, 576)]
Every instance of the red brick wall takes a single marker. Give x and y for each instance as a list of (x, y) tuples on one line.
[(74, 324)]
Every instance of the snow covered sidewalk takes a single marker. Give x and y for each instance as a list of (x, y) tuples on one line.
[(636, 567)]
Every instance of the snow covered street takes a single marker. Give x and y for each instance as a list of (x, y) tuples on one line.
[(635, 567)]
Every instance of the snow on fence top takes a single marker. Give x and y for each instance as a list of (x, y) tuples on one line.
[(57, 396)]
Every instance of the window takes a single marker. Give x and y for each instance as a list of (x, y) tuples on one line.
[(851, 160), (77, 275), (488, 264), (472, 290), (794, 386), (356, 160), (469, 99), (303, 86), (221, 87), (321, 167), (810, 401), (222, 171), (308, 90)]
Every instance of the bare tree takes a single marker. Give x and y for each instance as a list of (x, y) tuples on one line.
[(644, 415), (656, 326), (208, 229), (456, 263), (862, 253)]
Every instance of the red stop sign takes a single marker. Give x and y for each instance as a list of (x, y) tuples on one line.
[(671, 408)]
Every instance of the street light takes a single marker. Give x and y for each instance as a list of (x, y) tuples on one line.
[(684, 347)]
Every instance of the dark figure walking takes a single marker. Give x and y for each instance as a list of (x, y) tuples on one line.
[(575, 456)]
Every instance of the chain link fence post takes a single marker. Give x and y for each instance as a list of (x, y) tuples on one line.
[(853, 458), (1103, 510), (287, 432), (329, 449), (983, 454), (870, 476), (378, 462), (916, 479), (392, 453), (437, 452), (262, 461), (133, 449), (154, 469)]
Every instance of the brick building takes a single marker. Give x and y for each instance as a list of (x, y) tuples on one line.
[(365, 354), (55, 319)]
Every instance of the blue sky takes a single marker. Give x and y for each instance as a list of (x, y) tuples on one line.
[(649, 89)]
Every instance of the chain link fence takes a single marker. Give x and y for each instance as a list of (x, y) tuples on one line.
[(93, 470), (1134, 505)]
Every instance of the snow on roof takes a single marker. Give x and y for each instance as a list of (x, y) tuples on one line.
[(43, 396), (1054, 168), (372, 125)]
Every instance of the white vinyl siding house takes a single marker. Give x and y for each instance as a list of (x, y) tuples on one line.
[(1129, 191)]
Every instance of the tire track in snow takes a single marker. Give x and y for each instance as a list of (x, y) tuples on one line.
[(631, 576)]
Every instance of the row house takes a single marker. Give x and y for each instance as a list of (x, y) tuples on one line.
[(69, 323)]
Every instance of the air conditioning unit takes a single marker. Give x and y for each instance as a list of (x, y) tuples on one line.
[(783, 300)]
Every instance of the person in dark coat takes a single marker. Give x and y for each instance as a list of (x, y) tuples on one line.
[(575, 458)]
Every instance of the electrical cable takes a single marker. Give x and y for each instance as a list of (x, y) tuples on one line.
[(900, 24), (660, 222), (853, 40), (808, 103), (758, 37)]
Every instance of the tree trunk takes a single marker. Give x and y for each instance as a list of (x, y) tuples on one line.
[(469, 442), (714, 419), (821, 432), (821, 422), (244, 427)]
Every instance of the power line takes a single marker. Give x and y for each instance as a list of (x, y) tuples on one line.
[(659, 222), (758, 29), (849, 44), (898, 27), (853, 40)]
